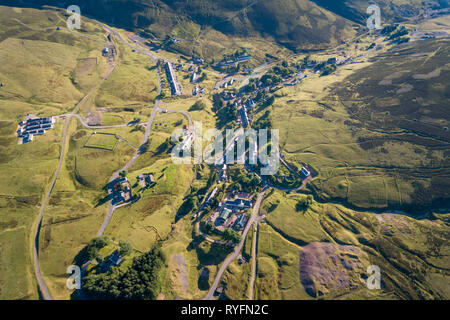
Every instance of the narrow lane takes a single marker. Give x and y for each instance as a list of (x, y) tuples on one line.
[(237, 249), (41, 283), (251, 284)]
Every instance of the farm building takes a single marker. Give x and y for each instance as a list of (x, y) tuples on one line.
[(34, 127), (240, 222), (146, 180), (239, 204), (224, 214), (305, 172)]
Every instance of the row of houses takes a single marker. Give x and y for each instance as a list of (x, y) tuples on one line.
[(228, 83), (305, 172), (146, 180), (244, 116), (114, 260), (210, 197), (198, 61), (187, 142), (109, 50), (223, 176), (195, 76), (34, 127), (237, 60), (250, 104), (172, 77), (228, 96)]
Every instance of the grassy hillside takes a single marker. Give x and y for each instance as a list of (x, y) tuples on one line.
[(287, 22), (376, 130), (46, 70), (324, 253), (36, 64), (391, 10), (296, 24), (402, 103)]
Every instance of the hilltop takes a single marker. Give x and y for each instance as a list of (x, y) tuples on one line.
[(205, 23), (296, 24)]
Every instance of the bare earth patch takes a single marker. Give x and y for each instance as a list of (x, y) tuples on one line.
[(388, 80), (180, 273), (388, 221), (405, 88), (94, 119), (86, 66), (432, 74), (326, 267)]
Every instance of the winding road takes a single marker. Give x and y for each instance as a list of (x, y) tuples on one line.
[(237, 249), (86, 125), (251, 284), (253, 221), (149, 124), (41, 283)]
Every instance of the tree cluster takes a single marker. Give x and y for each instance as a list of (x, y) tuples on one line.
[(231, 235), (304, 204), (141, 281)]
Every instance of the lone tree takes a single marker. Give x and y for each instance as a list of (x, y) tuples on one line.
[(145, 146), (125, 247), (274, 205)]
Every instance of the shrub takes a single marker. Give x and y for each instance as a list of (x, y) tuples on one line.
[(198, 106), (304, 204)]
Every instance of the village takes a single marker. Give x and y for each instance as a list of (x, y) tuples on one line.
[(225, 230)]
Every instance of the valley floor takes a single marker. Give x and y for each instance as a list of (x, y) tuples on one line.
[(375, 192)]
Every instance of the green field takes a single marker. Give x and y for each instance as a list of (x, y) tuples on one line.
[(373, 152), (411, 253), (102, 141), (375, 132), (37, 64), (277, 267), (61, 67), (299, 227)]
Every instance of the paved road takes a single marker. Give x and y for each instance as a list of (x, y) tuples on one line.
[(237, 249), (205, 236), (86, 125), (149, 124), (197, 224), (187, 115), (41, 283), (115, 175), (156, 109), (251, 284)]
